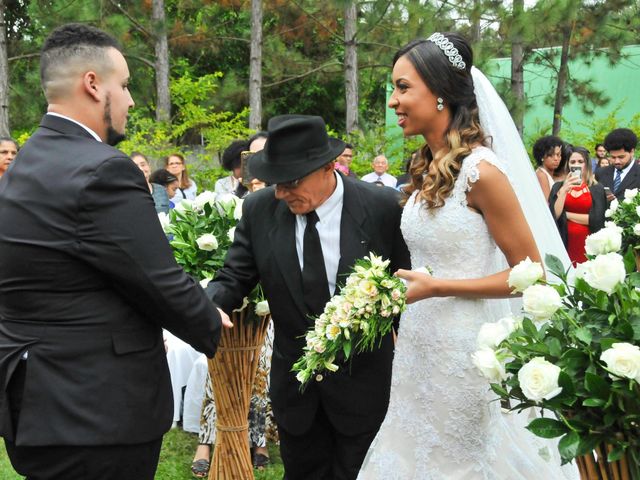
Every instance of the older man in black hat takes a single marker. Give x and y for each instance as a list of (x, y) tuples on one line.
[(299, 238)]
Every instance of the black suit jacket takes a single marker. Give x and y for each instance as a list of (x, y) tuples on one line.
[(605, 176), (87, 281), (356, 397)]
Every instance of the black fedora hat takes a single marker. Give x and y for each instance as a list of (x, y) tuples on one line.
[(297, 145)]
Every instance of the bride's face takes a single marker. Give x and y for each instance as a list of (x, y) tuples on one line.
[(413, 102)]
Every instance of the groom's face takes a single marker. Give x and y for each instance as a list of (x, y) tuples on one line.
[(310, 192)]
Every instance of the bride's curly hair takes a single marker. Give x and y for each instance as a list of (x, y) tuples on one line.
[(434, 173)]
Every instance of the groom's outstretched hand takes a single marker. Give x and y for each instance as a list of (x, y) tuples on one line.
[(226, 321), (420, 284)]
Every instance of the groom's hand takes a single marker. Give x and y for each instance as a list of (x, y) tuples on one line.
[(226, 321), (419, 285)]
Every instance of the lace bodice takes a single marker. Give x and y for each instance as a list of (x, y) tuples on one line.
[(441, 423)]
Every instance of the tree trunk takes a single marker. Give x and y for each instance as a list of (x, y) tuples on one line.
[(351, 65), (562, 80), (4, 75), (163, 108), (517, 67), (255, 67)]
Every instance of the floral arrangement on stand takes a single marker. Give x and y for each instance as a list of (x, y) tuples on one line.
[(574, 353), (355, 320), (626, 215), (200, 233)]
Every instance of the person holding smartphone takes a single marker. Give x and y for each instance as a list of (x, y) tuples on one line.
[(578, 204)]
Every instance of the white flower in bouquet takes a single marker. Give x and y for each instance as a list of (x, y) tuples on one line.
[(525, 274), (623, 360), (165, 221), (606, 240), (205, 281), (636, 229), (245, 303), (604, 272), (202, 199), (637, 211), (183, 206), (262, 308), (613, 206), (492, 334), (231, 233), (489, 365), (237, 212), (630, 194), (368, 288), (539, 379), (207, 242), (332, 331), (541, 301)]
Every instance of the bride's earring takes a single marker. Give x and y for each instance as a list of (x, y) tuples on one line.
[(440, 105)]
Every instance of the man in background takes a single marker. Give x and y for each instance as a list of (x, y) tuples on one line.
[(623, 172), (380, 166)]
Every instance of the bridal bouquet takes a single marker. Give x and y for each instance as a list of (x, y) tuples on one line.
[(355, 320), (626, 215), (574, 352)]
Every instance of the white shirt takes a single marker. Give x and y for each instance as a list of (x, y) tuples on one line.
[(388, 180), (328, 226), (93, 134), (624, 171)]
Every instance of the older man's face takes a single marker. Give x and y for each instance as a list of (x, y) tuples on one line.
[(310, 192), (8, 152), (380, 165)]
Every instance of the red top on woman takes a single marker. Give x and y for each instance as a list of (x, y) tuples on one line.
[(578, 200)]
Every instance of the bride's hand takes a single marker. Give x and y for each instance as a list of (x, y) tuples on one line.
[(419, 285)]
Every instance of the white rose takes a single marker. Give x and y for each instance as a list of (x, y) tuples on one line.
[(183, 206), (604, 272), (636, 229), (207, 242), (541, 301), (623, 360), (608, 213), (606, 240), (525, 274), (204, 198), (630, 193), (491, 334), (539, 379), (205, 281), (262, 308), (490, 367), (613, 206), (237, 211), (231, 233), (165, 221), (637, 211)]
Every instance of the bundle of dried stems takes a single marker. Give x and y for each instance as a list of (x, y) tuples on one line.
[(233, 371)]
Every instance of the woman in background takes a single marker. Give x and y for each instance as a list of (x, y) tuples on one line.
[(547, 152), (187, 189)]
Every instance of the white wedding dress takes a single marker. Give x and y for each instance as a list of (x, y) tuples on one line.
[(443, 421)]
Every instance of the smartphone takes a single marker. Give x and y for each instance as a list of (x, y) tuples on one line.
[(244, 168), (576, 171), (607, 190)]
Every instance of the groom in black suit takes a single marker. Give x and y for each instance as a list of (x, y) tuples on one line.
[(624, 172), (299, 238), (87, 281)]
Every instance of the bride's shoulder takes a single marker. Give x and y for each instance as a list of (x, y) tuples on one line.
[(482, 162)]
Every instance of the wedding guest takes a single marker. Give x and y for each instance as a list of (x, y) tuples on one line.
[(602, 162), (600, 154), (168, 181), (343, 161), (88, 282), (578, 204), (231, 161), (623, 172), (257, 141), (405, 178), (380, 166), (298, 238), (176, 165), (8, 151), (547, 152), (158, 192)]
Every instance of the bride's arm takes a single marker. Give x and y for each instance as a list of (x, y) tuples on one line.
[(493, 196)]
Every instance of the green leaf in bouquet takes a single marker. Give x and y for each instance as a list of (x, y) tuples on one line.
[(346, 348), (547, 427), (574, 359), (634, 321), (499, 390), (630, 260), (609, 419), (568, 446), (584, 335), (634, 279), (588, 443), (602, 300), (529, 328), (616, 453), (566, 382), (555, 266), (596, 385), (555, 347), (594, 402)]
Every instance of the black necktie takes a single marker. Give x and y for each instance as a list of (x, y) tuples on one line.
[(314, 275)]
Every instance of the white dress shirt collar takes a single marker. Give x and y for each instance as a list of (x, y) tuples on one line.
[(91, 132)]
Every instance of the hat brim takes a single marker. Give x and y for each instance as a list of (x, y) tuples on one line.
[(271, 172)]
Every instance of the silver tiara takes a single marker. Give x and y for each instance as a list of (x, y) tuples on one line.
[(449, 50)]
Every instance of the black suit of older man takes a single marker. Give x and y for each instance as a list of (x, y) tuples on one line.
[(87, 281), (326, 430)]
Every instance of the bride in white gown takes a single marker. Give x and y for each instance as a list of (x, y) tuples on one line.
[(462, 220)]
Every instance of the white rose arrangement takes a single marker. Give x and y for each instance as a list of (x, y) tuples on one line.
[(575, 352), (626, 215), (354, 320)]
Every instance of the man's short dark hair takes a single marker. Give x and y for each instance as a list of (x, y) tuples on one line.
[(349, 146), (231, 154), (620, 139), (72, 45), (545, 146), (162, 177), (598, 145)]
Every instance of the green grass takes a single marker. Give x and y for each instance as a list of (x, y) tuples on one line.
[(177, 452)]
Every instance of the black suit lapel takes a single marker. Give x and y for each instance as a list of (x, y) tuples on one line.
[(354, 240), (283, 239), (630, 178)]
